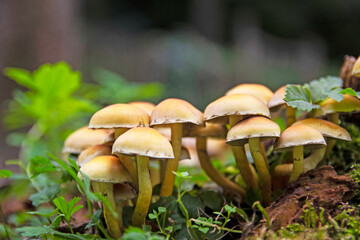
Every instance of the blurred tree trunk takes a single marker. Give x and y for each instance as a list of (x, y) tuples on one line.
[(32, 33)]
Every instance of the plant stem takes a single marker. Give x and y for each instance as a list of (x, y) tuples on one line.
[(145, 192), (172, 164), (220, 228)]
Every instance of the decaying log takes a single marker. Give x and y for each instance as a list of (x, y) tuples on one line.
[(319, 187)]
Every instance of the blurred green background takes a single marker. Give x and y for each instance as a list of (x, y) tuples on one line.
[(193, 49)]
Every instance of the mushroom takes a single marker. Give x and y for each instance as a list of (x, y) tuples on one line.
[(104, 172), (145, 143), (84, 138), (295, 139), (257, 90), (329, 130), (178, 114), (356, 68), (232, 109), (253, 130), (92, 152), (332, 108), (277, 101), (121, 117)]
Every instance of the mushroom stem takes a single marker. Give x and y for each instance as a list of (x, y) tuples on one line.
[(241, 159), (155, 173), (106, 190), (162, 169), (298, 163), (127, 160), (145, 192), (334, 117), (261, 167), (119, 209), (290, 115), (172, 164), (211, 171)]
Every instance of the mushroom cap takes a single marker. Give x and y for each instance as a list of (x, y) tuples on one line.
[(257, 90), (253, 127), (84, 138), (92, 152), (356, 68), (148, 107), (174, 110), (144, 142), (348, 104), (327, 128), (119, 115), (106, 169), (299, 135), (277, 100), (237, 104)]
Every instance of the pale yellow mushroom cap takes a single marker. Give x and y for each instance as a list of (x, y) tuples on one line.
[(84, 138), (148, 107), (176, 111), (261, 127), (299, 135), (327, 128), (277, 100), (348, 104), (144, 142), (119, 116), (257, 90), (356, 68), (236, 104), (92, 152), (106, 169)]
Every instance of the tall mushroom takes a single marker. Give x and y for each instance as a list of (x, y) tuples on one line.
[(231, 109), (178, 114), (121, 117), (144, 143), (104, 172), (253, 130), (295, 139)]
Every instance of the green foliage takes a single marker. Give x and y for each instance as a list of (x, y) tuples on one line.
[(4, 173), (308, 96), (48, 104), (132, 233)]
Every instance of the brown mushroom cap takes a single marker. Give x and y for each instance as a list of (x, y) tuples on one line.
[(356, 68), (84, 138), (252, 127), (106, 169), (143, 142), (176, 111), (119, 116), (277, 100), (348, 104), (299, 135), (92, 152), (236, 104), (257, 90), (148, 107), (327, 128)]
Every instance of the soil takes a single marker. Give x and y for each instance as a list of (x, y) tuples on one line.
[(320, 187)]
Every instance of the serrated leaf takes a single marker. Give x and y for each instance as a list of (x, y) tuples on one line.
[(45, 212), (4, 173), (34, 231), (334, 94), (351, 92), (317, 87), (45, 195), (21, 77), (56, 222), (40, 164)]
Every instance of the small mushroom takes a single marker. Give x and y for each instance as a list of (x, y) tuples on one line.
[(121, 117), (257, 90), (178, 114), (144, 143), (92, 152), (253, 130), (277, 101), (104, 172), (294, 139)]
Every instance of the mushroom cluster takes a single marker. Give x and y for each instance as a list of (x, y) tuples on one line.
[(124, 139)]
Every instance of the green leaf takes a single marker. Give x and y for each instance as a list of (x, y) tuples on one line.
[(56, 222), (230, 209), (298, 97), (161, 209), (40, 164), (45, 212), (34, 231), (204, 229), (351, 92), (45, 195), (152, 216), (4, 173), (212, 199), (193, 204), (327, 84), (21, 77)]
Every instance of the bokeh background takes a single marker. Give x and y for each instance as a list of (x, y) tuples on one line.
[(197, 49)]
